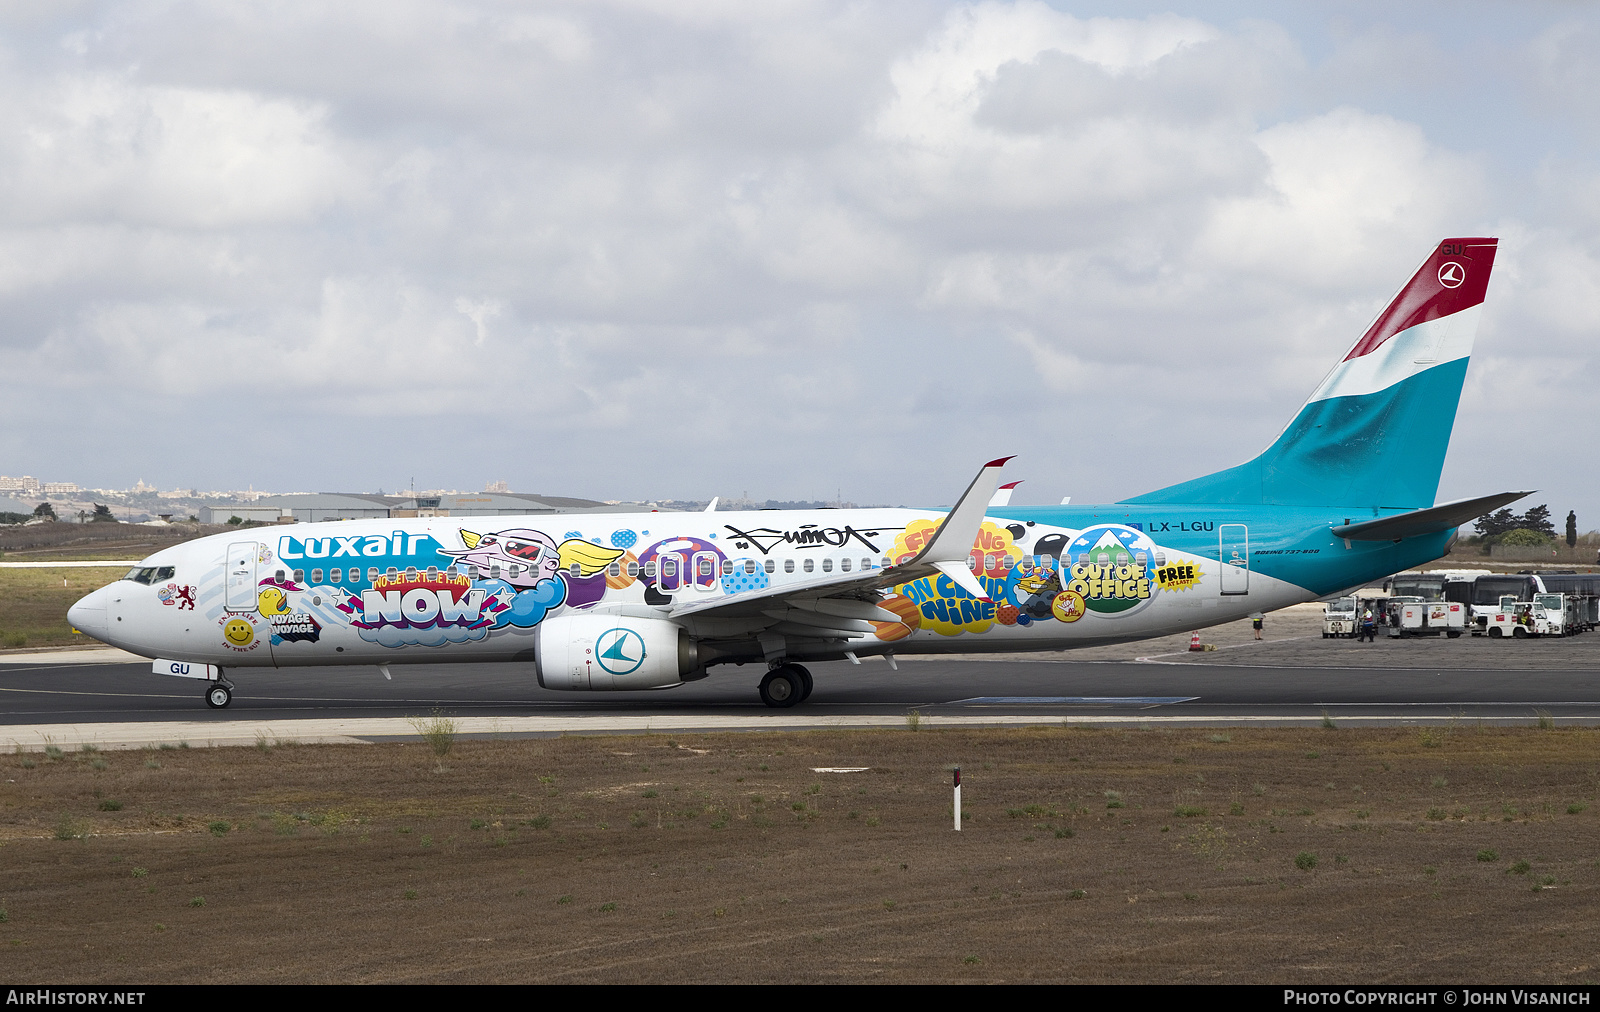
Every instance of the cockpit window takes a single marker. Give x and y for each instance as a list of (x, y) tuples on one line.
[(149, 575)]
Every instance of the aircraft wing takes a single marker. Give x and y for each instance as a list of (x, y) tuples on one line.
[(1426, 521), (850, 597)]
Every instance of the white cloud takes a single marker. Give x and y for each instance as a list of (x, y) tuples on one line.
[(1340, 185), (99, 147), (669, 249)]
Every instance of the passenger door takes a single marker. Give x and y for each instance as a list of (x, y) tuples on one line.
[(240, 567)]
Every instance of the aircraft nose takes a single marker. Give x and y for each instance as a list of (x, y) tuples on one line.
[(89, 614)]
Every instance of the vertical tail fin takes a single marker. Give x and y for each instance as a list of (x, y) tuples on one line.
[(1375, 431)]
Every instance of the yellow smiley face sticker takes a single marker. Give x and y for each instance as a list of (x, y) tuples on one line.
[(238, 632)]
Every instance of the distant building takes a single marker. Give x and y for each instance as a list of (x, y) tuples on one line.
[(26, 483), (59, 488), (314, 507), (307, 508), (506, 504)]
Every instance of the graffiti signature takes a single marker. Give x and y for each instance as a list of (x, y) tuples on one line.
[(805, 536)]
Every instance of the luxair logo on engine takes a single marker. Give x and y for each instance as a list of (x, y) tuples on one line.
[(620, 651)]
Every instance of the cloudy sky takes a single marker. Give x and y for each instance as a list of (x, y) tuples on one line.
[(677, 249)]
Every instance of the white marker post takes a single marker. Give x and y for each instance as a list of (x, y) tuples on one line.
[(958, 799)]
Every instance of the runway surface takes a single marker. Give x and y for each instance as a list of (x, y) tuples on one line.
[(46, 692)]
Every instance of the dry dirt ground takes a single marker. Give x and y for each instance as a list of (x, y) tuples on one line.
[(1458, 855)]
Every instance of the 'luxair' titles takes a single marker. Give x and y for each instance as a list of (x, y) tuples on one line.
[(353, 546)]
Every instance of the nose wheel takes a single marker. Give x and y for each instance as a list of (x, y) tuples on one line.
[(218, 696)]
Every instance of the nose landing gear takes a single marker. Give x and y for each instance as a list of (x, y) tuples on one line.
[(219, 695)]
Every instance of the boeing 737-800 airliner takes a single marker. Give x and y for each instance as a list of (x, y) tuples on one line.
[(649, 601)]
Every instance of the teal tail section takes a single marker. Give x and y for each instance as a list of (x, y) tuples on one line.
[(1375, 433)]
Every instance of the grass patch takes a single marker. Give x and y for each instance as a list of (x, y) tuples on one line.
[(1305, 860), (1188, 811), (913, 722), (218, 828), (1220, 739), (1488, 855), (110, 805), (438, 730), (34, 602)]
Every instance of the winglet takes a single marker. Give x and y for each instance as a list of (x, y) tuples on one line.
[(1003, 496), (952, 542), (711, 507)]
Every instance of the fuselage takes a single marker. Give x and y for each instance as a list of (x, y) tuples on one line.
[(480, 588)]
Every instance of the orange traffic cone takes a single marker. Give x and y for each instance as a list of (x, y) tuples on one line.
[(1194, 641)]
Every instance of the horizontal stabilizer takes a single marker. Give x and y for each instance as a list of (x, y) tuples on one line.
[(1427, 521)]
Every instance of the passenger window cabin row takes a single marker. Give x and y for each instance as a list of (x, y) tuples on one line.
[(704, 564)]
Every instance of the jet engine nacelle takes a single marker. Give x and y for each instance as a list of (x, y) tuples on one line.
[(608, 652)]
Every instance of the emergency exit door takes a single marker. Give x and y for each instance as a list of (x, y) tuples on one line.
[(1233, 551)]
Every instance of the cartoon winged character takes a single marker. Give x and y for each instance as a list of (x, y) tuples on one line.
[(526, 558)]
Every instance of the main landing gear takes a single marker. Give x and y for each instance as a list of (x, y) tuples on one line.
[(786, 686), (219, 695)]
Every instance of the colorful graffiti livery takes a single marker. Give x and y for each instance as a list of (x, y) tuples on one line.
[(600, 599)]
